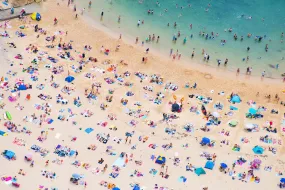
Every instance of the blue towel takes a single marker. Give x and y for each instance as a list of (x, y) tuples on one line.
[(89, 130)]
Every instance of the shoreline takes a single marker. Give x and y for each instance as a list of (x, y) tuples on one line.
[(219, 72)]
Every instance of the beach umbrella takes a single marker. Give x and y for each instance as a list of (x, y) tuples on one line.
[(282, 180), (77, 176), (69, 79), (175, 107), (258, 150), (22, 87), (252, 111), (206, 140), (224, 166), (136, 187), (216, 114), (235, 99), (233, 123), (257, 161), (249, 126), (29, 156), (116, 188), (36, 16), (182, 179)]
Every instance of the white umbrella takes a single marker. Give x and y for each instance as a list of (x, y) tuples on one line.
[(216, 114)]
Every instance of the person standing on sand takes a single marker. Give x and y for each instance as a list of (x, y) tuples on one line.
[(238, 71), (55, 21), (193, 53), (68, 3), (90, 4), (262, 74), (226, 62), (137, 40)]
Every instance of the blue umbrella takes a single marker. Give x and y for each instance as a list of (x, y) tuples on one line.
[(206, 140), (223, 165), (252, 111), (282, 180), (69, 79), (76, 176), (236, 99), (136, 187), (116, 188), (22, 87)]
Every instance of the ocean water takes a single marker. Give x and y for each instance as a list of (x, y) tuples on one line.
[(265, 18)]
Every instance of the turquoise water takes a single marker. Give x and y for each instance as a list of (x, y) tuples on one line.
[(264, 18)]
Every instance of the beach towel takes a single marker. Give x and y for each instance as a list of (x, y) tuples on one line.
[(120, 162), (2, 133), (89, 130)]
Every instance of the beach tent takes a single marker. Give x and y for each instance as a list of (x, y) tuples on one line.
[(209, 165), (160, 160), (69, 79), (205, 140), (22, 87), (199, 171), (175, 107), (36, 16), (235, 99), (252, 111), (258, 150), (116, 188), (9, 154), (224, 166)]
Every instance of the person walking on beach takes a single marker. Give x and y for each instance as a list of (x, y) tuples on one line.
[(193, 53), (238, 71), (137, 40), (102, 14), (90, 4)]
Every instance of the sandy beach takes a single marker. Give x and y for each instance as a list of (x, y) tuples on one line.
[(71, 86)]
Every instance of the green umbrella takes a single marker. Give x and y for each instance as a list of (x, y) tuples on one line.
[(233, 123)]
